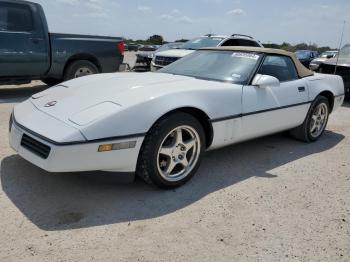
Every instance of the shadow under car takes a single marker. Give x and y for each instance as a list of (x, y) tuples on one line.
[(63, 201)]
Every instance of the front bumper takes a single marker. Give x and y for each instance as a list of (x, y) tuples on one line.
[(71, 157), (142, 63)]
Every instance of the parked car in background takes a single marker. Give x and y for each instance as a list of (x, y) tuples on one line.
[(145, 55), (314, 64), (29, 52), (133, 47), (158, 124), (342, 68), (306, 56), (165, 58)]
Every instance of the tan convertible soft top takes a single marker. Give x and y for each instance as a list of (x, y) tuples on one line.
[(302, 70)]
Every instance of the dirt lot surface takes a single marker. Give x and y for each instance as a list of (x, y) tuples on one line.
[(272, 199)]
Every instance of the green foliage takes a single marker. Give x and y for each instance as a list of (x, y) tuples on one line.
[(182, 40), (301, 46), (156, 39), (152, 40)]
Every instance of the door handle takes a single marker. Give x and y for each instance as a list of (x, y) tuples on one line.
[(301, 89)]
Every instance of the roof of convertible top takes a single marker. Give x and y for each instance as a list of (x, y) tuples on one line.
[(302, 70)]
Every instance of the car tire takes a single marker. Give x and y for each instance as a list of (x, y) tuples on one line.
[(51, 81), (172, 150), (315, 122), (80, 68)]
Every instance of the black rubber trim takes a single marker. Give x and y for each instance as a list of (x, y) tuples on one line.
[(48, 140), (256, 112), (225, 118)]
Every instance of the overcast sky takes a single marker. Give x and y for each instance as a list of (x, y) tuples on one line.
[(294, 21)]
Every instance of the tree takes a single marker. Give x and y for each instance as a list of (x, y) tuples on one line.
[(156, 39), (301, 46), (323, 49), (181, 40)]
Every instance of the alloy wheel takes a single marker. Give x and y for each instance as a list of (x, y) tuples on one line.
[(178, 153), (318, 120)]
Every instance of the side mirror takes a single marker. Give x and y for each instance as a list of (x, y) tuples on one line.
[(263, 81)]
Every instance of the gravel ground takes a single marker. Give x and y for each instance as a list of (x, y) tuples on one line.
[(272, 199)]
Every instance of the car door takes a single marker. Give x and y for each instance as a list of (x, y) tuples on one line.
[(23, 46), (274, 108)]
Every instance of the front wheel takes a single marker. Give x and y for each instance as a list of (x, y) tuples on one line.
[(315, 122), (172, 150)]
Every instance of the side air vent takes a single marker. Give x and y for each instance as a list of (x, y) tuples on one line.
[(35, 146)]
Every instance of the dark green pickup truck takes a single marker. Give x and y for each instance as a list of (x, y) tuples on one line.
[(29, 52)]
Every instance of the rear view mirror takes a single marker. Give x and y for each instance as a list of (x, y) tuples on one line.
[(264, 81)]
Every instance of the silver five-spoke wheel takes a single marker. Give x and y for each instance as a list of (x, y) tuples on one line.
[(178, 153), (172, 150), (318, 120), (315, 122)]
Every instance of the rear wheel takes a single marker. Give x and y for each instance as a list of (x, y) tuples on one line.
[(315, 122), (80, 68), (172, 150)]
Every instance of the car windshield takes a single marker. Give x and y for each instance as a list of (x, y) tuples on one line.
[(345, 52), (201, 42), (228, 66), (169, 46), (302, 54)]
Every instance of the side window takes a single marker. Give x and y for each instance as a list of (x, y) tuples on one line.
[(231, 42), (281, 67), (240, 42), (244, 42), (16, 18)]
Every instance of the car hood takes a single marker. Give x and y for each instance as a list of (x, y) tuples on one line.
[(341, 61), (86, 99), (175, 53)]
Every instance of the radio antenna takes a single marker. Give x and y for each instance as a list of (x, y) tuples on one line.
[(340, 44)]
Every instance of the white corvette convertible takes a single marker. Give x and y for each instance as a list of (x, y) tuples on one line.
[(159, 124)]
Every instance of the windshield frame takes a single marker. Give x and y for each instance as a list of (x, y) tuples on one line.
[(245, 83)]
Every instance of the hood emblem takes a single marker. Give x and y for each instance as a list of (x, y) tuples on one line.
[(51, 103)]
